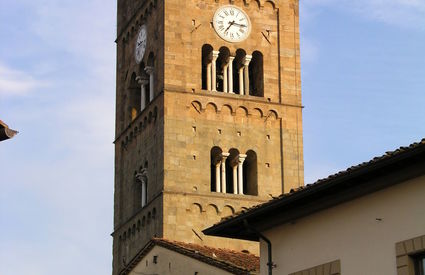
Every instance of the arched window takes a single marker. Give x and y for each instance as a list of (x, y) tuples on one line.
[(143, 81), (150, 71), (207, 51), (216, 169), (232, 171), (134, 97), (222, 70), (256, 75), (142, 181), (238, 72), (250, 174)]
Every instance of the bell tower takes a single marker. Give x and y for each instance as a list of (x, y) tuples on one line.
[(208, 116)]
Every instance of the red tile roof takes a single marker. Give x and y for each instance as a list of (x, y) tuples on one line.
[(229, 260)]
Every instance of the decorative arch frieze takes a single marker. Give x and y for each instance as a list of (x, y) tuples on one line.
[(131, 29), (139, 125), (202, 107), (260, 3)]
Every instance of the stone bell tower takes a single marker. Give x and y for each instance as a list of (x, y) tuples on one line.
[(208, 116)]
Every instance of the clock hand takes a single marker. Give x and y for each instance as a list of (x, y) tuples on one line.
[(230, 24), (240, 25)]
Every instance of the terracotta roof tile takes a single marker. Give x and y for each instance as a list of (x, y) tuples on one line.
[(232, 261), (246, 261)]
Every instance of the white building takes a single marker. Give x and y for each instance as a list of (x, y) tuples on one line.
[(367, 220)]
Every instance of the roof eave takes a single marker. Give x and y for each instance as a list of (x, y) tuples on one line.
[(234, 227)]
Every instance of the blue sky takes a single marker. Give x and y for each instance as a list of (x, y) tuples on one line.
[(363, 72)]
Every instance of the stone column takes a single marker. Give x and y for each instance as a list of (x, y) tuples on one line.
[(223, 171), (225, 79), (217, 177), (241, 88), (150, 71), (241, 160), (230, 72), (235, 178), (214, 71), (143, 180), (248, 59), (142, 82), (209, 76), (144, 193)]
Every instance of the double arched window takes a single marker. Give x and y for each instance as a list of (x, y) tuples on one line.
[(141, 89), (240, 73), (233, 172)]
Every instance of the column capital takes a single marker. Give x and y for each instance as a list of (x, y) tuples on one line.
[(215, 54), (247, 60), (142, 176), (142, 81), (224, 156), (149, 70), (231, 58), (241, 158)]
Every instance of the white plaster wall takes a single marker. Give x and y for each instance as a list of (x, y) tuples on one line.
[(350, 232), (170, 262)]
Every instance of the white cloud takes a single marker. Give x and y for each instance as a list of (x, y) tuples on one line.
[(401, 13), (17, 83)]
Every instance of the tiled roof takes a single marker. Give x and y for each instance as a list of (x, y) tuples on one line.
[(229, 260), (375, 161), (6, 132)]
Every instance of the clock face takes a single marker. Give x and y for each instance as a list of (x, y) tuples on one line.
[(141, 44), (231, 23)]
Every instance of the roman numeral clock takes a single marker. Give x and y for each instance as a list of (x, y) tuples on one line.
[(231, 23)]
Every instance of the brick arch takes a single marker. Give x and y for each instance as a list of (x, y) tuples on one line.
[(269, 3), (226, 109), (212, 209), (196, 208), (211, 108), (195, 107), (257, 112), (242, 110), (273, 114), (228, 210)]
